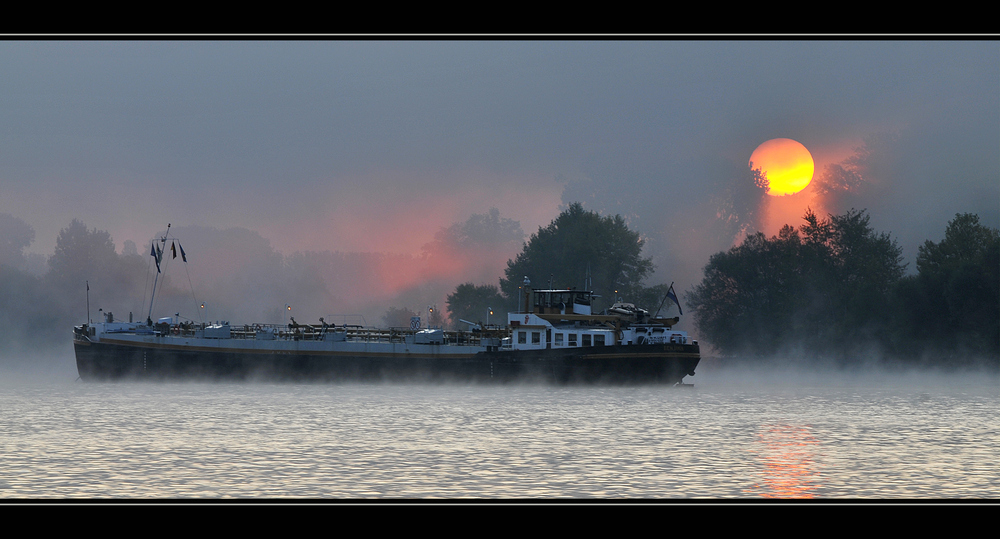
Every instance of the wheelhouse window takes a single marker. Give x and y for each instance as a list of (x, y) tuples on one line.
[(522, 337), (559, 339), (536, 337), (586, 340), (598, 340), (572, 339)]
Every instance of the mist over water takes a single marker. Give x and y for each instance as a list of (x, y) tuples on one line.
[(736, 434), (333, 177)]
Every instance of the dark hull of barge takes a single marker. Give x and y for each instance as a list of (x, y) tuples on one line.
[(665, 364)]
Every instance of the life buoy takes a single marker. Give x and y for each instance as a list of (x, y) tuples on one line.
[(176, 330), (526, 318)]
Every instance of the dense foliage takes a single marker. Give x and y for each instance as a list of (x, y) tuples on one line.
[(481, 229), (952, 306), (36, 310), (824, 286), (472, 303), (575, 241), (835, 287)]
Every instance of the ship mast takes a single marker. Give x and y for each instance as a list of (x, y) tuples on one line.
[(156, 253)]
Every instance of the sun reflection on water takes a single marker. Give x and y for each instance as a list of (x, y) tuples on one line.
[(788, 455)]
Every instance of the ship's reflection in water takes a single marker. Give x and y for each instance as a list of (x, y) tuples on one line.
[(788, 456)]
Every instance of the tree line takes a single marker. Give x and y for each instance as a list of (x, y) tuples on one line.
[(831, 287), (37, 308), (578, 249), (837, 288)]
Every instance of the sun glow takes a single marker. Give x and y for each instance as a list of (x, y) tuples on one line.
[(788, 165)]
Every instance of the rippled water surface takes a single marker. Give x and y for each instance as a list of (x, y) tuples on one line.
[(732, 436)]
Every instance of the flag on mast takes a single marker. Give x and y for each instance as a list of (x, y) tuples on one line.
[(673, 297), (152, 253), (173, 250)]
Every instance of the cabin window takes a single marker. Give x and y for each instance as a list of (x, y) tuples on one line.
[(536, 337), (559, 339), (598, 340), (572, 339), (522, 337), (586, 340)]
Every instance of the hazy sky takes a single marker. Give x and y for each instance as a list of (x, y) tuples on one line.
[(373, 146)]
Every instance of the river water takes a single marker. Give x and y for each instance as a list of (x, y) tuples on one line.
[(734, 435)]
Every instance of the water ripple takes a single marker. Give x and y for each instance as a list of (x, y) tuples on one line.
[(373, 441)]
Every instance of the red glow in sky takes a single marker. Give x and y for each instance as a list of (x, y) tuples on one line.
[(790, 208)]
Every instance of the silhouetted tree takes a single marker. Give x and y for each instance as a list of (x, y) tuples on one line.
[(652, 297), (475, 249), (36, 311), (435, 317), (83, 256), (740, 201), (748, 297), (825, 287), (471, 302), (15, 236), (397, 317), (951, 308), (573, 241), (488, 229), (856, 179)]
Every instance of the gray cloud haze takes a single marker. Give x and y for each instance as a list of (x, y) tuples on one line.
[(366, 146)]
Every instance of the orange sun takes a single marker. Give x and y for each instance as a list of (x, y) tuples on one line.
[(787, 164)]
